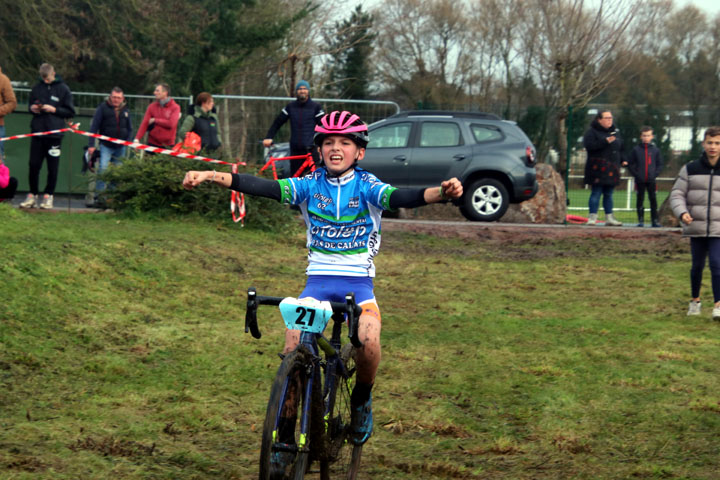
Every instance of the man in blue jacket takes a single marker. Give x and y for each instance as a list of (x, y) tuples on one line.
[(112, 119), (303, 114), (51, 104)]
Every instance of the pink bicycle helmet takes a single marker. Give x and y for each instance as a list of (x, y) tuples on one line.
[(342, 123)]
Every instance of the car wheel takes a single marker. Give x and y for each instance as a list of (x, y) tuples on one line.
[(486, 200)]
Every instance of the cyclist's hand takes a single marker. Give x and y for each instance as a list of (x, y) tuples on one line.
[(452, 188), (194, 178), (267, 142)]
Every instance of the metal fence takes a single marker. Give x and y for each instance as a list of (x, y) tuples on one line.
[(624, 196), (244, 119), (677, 143)]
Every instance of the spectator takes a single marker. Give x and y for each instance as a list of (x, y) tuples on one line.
[(645, 165), (161, 119), (695, 200), (602, 170), (8, 184), (303, 114), (51, 104), (7, 105), (112, 119), (203, 120)]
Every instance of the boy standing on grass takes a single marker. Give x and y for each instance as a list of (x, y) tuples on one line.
[(645, 165), (342, 207), (695, 200)]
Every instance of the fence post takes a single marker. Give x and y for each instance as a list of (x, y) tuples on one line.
[(568, 128)]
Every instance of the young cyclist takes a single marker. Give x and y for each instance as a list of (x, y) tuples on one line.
[(342, 205)]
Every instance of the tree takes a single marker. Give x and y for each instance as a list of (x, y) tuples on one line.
[(424, 53), (192, 45), (581, 50), (351, 44)]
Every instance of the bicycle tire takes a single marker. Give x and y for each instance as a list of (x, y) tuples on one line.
[(341, 459), (293, 370)]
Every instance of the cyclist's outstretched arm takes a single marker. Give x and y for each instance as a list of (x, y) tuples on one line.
[(417, 197), (241, 182)]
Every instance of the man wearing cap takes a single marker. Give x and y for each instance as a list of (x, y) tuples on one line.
[(303, 114)]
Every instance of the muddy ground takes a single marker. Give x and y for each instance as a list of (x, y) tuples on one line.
[(515, 238)]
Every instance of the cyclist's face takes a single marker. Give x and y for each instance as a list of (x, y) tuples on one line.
[(339, 154)]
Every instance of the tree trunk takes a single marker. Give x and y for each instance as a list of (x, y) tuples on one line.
[(562, 142)]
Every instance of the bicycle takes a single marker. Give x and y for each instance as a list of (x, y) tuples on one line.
[(308, 166), (308, 413)]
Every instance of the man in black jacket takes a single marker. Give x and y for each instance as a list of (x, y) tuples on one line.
[(112, 119), (645, 165), (303, 114), (51, 104)]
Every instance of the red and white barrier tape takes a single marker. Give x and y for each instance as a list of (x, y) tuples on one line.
[(237, 199)]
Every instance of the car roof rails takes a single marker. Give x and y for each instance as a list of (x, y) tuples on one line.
[(446, 113)]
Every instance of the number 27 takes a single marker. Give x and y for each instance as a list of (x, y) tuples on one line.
[(304, 311)]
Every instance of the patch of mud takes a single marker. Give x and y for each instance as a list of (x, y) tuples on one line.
[(528, 242), (110, 446)]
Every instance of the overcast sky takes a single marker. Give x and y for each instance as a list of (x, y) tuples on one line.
[(712, 7)]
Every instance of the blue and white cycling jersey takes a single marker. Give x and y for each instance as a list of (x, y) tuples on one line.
[(342, 217)]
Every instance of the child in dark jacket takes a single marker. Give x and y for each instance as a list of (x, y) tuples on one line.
[(645, 165)]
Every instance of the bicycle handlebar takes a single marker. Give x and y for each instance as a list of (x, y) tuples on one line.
[(349, 307)]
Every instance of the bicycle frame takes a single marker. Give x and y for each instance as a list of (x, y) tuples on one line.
[(307, 164)]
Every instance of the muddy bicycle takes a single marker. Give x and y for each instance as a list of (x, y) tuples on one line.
[(308, 413)]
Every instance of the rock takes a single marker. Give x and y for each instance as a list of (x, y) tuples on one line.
[(549, 205), (666, 216)]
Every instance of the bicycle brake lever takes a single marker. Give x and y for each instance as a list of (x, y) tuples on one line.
[(251, 324)]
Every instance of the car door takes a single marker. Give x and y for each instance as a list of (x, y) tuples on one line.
[(440, 153), (388, 154)]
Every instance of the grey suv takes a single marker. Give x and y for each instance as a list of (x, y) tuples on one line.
[(493, 158)]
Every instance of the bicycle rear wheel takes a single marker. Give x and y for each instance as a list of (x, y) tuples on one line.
[(341, 459), (281, 455)]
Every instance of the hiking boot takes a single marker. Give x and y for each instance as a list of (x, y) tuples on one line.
[(31, 201), (611, 221), (694, 308), (592, 219), (47, 201), (361, 424)]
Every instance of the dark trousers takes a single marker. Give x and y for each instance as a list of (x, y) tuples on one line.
[(700, 249), (44, 148), (9, 191), (651, 191)]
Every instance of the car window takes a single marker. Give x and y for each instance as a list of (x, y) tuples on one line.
[(395, 135), (440, 134), (486, 133)]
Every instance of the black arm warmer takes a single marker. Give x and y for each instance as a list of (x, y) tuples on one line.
[(263, 187), (407, 198)]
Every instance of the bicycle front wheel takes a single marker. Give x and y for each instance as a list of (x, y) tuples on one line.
[(342, 457), (283, 453)]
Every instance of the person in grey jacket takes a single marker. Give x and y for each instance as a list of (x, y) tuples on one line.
[(695, 200)]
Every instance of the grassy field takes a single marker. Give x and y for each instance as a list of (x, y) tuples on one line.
[(123, 354)]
